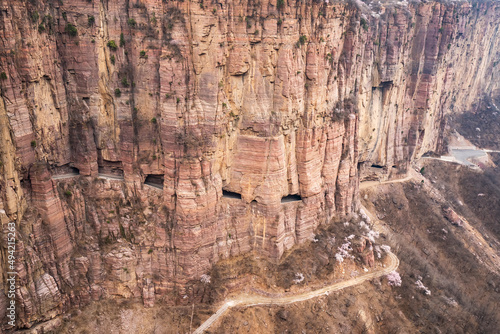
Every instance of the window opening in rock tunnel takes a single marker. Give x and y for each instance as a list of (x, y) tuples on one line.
[(377, 166), (154, 180), (291, 198), (113, 168), (230, 194), (64, 170)]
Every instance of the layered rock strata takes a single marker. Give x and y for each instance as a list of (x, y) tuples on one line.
[(255, 100)]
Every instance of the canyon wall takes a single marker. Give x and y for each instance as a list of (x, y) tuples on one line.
[(142, 141)]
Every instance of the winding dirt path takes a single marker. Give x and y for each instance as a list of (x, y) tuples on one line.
[(254, 300)]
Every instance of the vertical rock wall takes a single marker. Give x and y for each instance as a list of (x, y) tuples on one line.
[(260, 101)]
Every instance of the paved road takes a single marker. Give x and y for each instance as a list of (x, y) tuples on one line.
[(368, 184), (64, 176), (109, 176), (155, 185), (100, 175), (462, 154), (246, 301)]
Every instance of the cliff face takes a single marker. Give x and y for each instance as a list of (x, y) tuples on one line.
[(160, 105)]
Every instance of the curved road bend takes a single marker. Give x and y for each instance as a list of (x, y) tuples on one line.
[(245, 301)]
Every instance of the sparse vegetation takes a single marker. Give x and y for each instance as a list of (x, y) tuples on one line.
[(112, 59), (112, 45), (35, 16), (205, 279), (3, 76), (364, 24), (71, 30), (125, 82), (33, 143), (118, 92), (394, 279), (122, 40), (91, 20), (131, 22)]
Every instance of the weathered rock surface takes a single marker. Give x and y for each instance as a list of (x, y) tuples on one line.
[(235, 95)]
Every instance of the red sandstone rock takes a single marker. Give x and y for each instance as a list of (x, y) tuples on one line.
[(364, 247), (219, 102)]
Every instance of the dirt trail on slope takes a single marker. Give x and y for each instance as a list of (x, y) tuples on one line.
[(254, 300)]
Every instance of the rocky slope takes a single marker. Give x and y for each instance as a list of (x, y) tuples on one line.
[(190, 105)]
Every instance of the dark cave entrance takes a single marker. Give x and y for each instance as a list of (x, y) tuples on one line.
[(154, 180), (291, 198), (377, 166), (230, 194)]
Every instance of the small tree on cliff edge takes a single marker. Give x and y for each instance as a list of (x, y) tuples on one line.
[(71, 30)]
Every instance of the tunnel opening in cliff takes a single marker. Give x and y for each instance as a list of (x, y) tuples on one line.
[(114, 168), (291, 198), (377, 166), (154, 180), (230, 194), (64, 170)]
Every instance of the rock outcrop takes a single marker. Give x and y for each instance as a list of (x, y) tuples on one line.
[(233, 106)]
